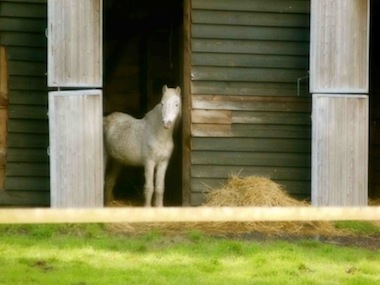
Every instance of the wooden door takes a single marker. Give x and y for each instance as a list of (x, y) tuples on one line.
[(75, 43), (339, 46), (75, 116), (339, 72)]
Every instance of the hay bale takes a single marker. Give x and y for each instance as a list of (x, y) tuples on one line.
[(250, 191), (261, 191), (374, 201), (242, 192)]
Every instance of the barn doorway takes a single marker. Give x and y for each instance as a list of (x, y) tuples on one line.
[(374, 167), (142, 43)]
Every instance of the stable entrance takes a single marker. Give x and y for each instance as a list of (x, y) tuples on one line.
[(142, 41)]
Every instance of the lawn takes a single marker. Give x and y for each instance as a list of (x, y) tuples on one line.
[(90, 254)]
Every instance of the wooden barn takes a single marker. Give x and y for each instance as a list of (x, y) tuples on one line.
[(278, 88)]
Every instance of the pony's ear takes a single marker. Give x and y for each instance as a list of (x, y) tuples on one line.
[(178, 90), (164, 88)]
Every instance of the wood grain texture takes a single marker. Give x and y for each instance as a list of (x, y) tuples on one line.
[(339, 46), (75, 43), (76, 148), (3, 114), (249, 18), (340, 150), (280, 6), (248, 115), (22, 35)]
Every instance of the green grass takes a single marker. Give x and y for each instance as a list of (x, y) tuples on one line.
[(358, 227), (88, 254)]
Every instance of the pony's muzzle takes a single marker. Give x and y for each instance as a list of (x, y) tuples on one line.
[(167, 124)]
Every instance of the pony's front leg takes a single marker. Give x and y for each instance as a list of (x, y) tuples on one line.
[(148, 188), (160, 183), (112, 171)]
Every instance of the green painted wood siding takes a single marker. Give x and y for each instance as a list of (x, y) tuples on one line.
[(22, 33), (247, 116)]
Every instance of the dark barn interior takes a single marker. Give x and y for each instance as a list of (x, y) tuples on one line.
[(142, 43), (374, 64)]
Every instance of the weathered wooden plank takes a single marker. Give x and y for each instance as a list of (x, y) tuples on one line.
[(285, 118), (3, 113), (250, 47), (27, 9), (252, 144), (76, 148), (211, 130), (18, 140), (211, 116), (251, 103), (251, 158), (250, 130), (207, 31), (247, 74), (27, 53), (22, 24), (244, 18), (24, 198), (27, 184), (27, 83), (340, 150), (25, 68), (28, 97), (249, 60), (339, 47), (28, 1), (247, 121), (275, 173), (75, 43), (27, 155), (249, 5), (186, 115), (32, 169), (23, 39), (28, 126), (27, 112), (248, 88)]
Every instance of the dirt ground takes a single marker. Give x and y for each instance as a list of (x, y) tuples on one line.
[(371, 242)]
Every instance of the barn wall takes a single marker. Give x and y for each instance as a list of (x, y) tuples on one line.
[(247, 116), (22, 33)]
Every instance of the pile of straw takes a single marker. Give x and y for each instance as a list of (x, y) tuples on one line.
[(249, 191)]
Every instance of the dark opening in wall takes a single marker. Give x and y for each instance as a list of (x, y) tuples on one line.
[(374, 64), (142, 47)]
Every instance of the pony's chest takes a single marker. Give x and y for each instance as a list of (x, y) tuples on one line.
[(160, 149)]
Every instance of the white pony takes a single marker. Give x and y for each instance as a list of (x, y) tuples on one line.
[(144, 142)]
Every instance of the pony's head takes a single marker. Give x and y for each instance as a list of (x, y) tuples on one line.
[(171, 105)]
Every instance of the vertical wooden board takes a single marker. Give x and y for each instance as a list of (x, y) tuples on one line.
[(75, 43), (76, 148), (186, 103), (339, 46), (3, 114), (340, 150)]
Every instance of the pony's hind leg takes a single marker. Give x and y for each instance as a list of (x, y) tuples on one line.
[(160, 184), (112, 171), (148, 187)]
